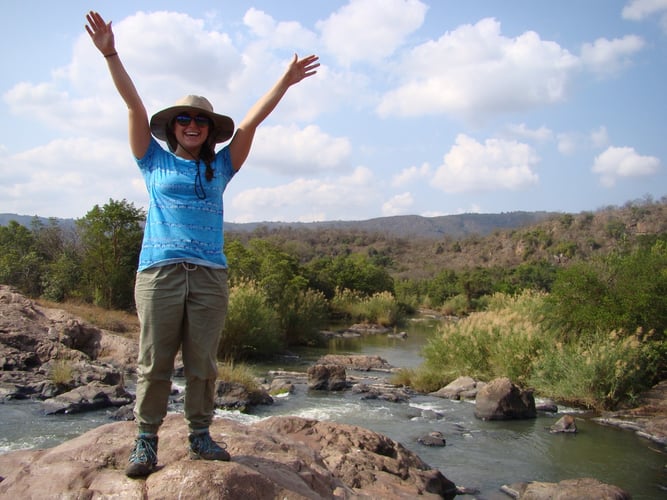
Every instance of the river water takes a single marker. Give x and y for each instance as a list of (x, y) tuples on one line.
[(478, 454)]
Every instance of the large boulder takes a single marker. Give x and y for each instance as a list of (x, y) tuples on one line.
[(500, 399), (323, 377), (276, 458)]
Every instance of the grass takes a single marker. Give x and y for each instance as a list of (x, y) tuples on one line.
[(510, 339), (115, 321)]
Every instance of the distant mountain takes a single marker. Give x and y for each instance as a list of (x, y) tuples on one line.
[(401, 226), (414, 226)]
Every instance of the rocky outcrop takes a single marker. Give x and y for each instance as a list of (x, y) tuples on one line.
[(280, 457), (356, 362), (500, 399), (461, 388), (46, 352), (648, 419), (583, 488)]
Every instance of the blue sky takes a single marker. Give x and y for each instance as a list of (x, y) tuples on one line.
[(430, 107)]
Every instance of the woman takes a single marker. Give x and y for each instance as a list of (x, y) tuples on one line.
[(181, 286)]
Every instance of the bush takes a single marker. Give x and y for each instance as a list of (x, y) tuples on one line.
[(600, 372), (381, 308), (303, 317), (251, 327)]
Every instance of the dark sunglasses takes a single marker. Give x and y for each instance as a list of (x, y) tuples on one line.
[(200, 120)]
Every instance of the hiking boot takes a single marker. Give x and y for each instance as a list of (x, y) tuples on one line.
[(143, 458), (202, 447)]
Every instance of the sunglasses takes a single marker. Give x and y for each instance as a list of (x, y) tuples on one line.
[(200, 120)]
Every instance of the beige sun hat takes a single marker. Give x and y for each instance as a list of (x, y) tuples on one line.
[(223, 126)]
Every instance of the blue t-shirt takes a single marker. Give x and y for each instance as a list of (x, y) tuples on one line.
[(180, 227)]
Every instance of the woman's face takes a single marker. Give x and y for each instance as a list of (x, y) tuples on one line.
[(191, 130)]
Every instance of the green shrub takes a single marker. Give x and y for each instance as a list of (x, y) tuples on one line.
[(251, 327), (303, 317), (381, 307)]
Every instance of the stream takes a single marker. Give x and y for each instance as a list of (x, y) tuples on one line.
[(479, 455)]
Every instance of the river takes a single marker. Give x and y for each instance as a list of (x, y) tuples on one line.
[(478, 454)]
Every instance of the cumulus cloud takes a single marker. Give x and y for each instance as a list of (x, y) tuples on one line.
[(618, 162), (308, 200), (291, 150), (94, 172), (370, 30), (411, 174), (608, 57), (494, 165), (287, 34), (539, 135), (452, 75), (398, 205), (636, 10)]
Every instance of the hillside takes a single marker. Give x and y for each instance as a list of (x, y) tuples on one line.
[(558, 238), (403, 226), (420, 247)]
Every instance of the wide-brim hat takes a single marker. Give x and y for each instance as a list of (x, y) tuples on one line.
[(223, 126)]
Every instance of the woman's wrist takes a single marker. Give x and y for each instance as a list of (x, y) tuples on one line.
[(111, 54)]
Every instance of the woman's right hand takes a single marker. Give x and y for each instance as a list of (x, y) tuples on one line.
[(100, 33)]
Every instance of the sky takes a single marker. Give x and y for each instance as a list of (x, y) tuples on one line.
[(419, 107)]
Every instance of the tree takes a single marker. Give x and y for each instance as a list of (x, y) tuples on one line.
[(111, 241), (20, 263)]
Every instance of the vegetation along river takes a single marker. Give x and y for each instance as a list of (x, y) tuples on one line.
[(478, 454)]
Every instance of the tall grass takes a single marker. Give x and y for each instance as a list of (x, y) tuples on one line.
[(381, 308), (510, 339)]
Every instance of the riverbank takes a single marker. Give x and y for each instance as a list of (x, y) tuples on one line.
[(478, 454)]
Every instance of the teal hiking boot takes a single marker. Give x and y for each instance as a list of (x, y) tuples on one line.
[(202, 447), (143, 458)]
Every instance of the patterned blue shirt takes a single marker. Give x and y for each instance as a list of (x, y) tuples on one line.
[(180, 227)]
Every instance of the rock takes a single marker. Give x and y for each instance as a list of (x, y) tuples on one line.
[(500, 399), (235, 396), (564, 424), (93, 396), (382, 391), (454, 390), (434, 438), (547, 405), (368, 328), (356, 362), (276, 458), (35, 341), (583, 488), (326, 377), (648, 420)]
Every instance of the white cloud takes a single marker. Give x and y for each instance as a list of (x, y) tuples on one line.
[(290, 34), (398, 205), (540, 135), (370, 30), (607, 57), (470, 166), (411, 174), (308, 199), (636, 10), (291, 150), (617, 162), (600, 138), (67, 177), (475, 71)]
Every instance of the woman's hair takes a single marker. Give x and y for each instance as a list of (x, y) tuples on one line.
[(206, 153)]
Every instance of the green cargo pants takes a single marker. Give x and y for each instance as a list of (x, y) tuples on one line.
[(179, 306)]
